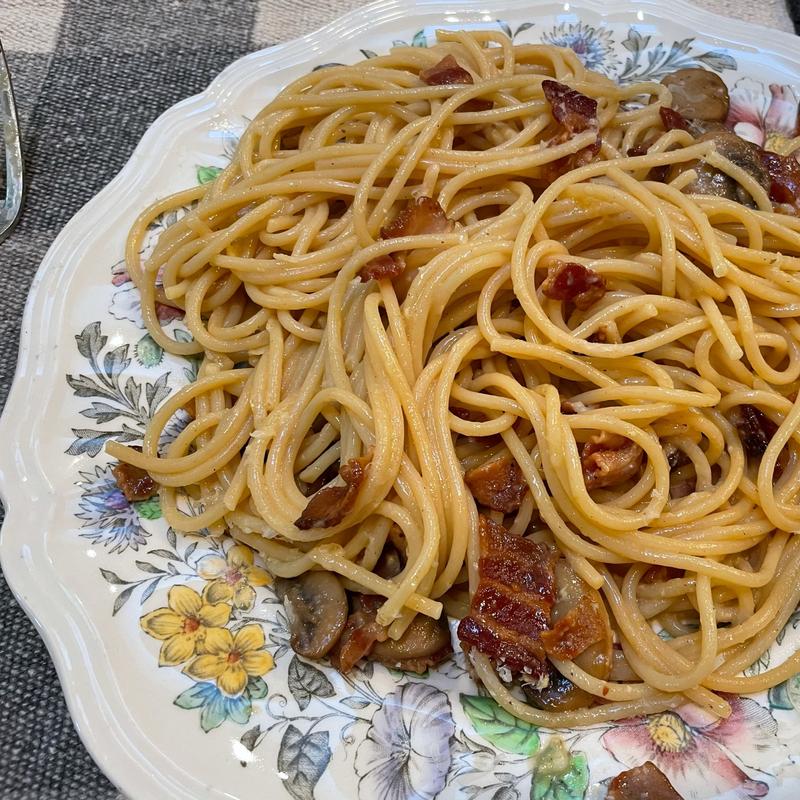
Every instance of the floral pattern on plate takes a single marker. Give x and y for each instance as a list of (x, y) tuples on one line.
[(207, 615)]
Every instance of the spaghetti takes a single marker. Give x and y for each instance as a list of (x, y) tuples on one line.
[(384, 281)]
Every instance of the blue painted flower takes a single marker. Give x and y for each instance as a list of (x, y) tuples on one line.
[(406, 754), (217, 706), (112, 521), (179, 420), (593, 46)]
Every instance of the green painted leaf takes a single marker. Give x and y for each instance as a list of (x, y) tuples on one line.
[(250, 738), (207, 174), (306, 682), (148, 352), (149, 509), (524, 27), (122, 598), (112, 577), (506, 28), (419, 40), (499, 727), (718, 60), (256, 688), (303, 759), (786, 695), (569, 785)]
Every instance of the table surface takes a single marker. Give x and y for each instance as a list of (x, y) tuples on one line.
[(90, 76)]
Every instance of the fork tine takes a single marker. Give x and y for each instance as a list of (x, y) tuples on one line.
[(9, 125)]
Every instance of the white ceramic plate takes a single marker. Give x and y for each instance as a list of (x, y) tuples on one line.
[(98, 575)]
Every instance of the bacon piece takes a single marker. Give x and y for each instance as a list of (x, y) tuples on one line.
[(574, 283), (609, 459), (646, 781), (672, 120), (512, 604), (784, 177), (361, 632), (329, 506), (498, 484), (385, 266), (755, 428), (574, 111), (445, 72), (135, 483), (420, 216), (578, 629)]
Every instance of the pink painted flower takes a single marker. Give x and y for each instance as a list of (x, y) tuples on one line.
[(126, 303), (690, 743), (766, 117)]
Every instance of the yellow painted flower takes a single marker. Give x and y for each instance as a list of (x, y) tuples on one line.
[(184, 625), (231, 660), (232, 578)]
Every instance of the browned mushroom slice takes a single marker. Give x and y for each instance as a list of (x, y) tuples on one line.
[(755, 429), (712, 181), (698, 94), (645, 781), (425, 644), (609, 460), (316, 607), (498, 484)]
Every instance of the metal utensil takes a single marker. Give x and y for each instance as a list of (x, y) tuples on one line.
[(9, 127)]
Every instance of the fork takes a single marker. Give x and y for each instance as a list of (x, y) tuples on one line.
[(9, 128)]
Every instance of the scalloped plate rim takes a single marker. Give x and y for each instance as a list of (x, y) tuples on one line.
[(23, 481)]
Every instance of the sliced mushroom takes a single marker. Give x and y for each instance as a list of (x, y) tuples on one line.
[(714, 182), (561, 694), (425, 643), (316, 605), (698, 94)]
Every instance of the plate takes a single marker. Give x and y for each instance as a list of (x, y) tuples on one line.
[(108, 584)]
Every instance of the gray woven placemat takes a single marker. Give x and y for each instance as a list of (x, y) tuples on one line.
[(90, 76)]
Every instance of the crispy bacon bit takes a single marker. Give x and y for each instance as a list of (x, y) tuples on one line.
[(755, 428), (580, 628), (361, 632), (136, 484), (609, 459), (574, 283), (468, 414), (499, 484), (784, 177), (420, 216), (512, 604), (672, 120), (385, 266), (646, 781), (575, 111), (445, 72), (329, 506)]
